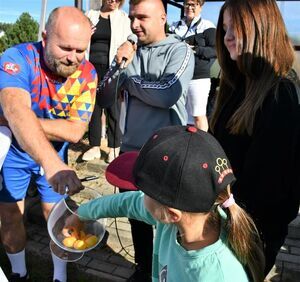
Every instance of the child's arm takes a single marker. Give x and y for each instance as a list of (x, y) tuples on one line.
[(129, 204)]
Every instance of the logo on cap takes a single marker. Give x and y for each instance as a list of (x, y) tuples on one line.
[(222, 168), (11, 68)]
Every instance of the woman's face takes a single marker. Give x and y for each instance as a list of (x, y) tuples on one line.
[(111, 4), (230, 40), (192, 9)]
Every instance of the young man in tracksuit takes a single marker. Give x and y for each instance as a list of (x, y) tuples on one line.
[(153, 87)]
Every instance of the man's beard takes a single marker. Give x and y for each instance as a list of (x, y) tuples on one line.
[(58, 67)]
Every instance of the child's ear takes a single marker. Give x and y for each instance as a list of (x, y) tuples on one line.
[(174, 215)]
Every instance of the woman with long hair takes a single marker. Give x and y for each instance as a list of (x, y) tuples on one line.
[(256, 116)]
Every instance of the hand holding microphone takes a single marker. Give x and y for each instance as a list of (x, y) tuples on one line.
[(126, 51), (123, 57)]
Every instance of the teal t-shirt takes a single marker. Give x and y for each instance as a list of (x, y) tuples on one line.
[(171, 262)]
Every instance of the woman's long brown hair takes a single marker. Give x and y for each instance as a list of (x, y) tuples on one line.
[(266, 56)]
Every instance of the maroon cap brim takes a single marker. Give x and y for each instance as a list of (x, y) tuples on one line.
[(119, 172)]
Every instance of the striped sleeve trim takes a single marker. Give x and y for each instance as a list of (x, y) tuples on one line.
[(169, 83)]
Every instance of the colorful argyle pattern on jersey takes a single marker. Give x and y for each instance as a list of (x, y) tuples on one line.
[(72, 100), (52, 97)]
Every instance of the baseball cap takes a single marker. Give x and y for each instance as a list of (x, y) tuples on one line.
[(179, 166)]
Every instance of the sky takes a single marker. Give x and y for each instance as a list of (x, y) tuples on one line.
[(10, 10)]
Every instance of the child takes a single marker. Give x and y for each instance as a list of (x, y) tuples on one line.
[(201, 233)]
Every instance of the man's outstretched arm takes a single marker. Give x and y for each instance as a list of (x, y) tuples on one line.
[(16, 104)]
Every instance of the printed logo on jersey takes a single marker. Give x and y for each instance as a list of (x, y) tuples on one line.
[(11, 68)]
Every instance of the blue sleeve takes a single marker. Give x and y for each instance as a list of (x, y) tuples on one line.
[(14, 70)]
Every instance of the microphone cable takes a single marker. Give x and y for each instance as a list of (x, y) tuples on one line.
[(123, 248), (133, 40)]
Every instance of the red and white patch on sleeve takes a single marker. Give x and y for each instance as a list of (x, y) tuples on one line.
[(11, 68)]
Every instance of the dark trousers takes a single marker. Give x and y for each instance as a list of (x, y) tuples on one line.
[(271, 249), (272, 242), (112, 119), (142, 237)]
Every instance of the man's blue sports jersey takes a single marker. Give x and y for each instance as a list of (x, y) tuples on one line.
[(73, 98), (52, 97)]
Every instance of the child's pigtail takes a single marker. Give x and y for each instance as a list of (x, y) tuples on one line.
[(243, 236)]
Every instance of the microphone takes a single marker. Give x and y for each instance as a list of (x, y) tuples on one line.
[(114, 70), (132, 38)]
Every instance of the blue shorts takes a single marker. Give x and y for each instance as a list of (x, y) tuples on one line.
[(17, 171)]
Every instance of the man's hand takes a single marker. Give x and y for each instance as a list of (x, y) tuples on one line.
[(125, 51), (64, 179), (192, 47)]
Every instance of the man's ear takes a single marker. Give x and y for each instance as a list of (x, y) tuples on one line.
[(174, 215), (44, 38), (163, 19)]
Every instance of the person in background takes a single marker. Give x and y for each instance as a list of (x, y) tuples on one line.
[(153, 85), (42, 88), (257, 113), (200, 34), (111, 29), (201, 233)]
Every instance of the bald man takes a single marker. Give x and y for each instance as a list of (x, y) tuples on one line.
[(154, 84), (47, 93)]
